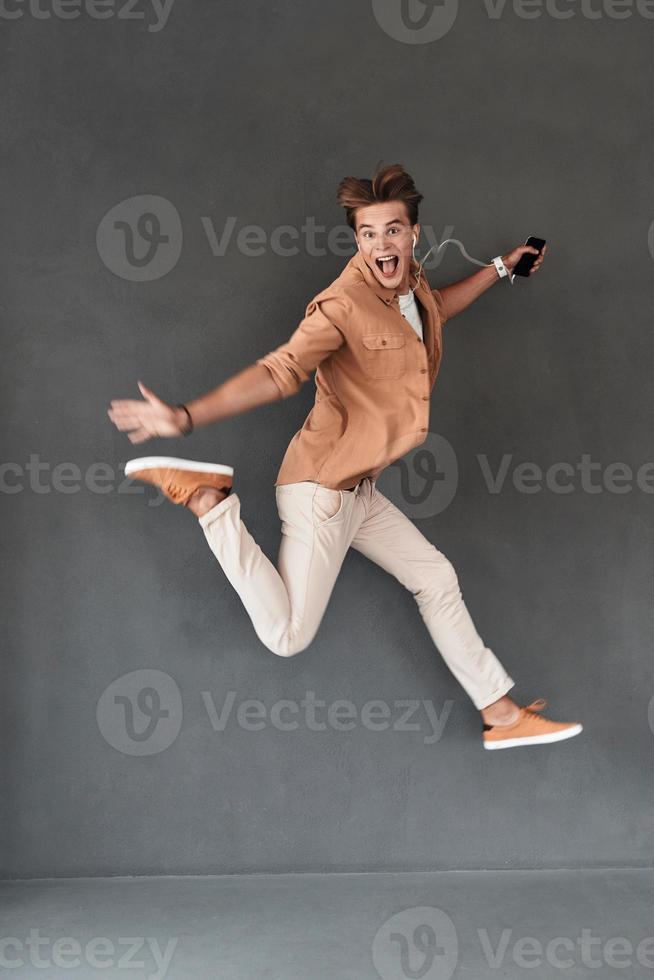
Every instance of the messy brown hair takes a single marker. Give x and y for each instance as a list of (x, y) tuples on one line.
[(389, 183)]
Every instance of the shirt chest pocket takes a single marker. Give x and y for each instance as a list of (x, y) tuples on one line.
[(384, 355)]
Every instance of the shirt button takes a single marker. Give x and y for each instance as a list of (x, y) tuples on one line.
[(425, 398), (423, 429), (423, 370)]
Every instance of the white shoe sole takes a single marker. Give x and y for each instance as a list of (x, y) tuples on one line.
[(510, 743), (171, 462)]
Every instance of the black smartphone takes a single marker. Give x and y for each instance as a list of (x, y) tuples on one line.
[(523, 267)]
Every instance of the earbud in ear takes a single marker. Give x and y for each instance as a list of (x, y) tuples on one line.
[(415, 240)]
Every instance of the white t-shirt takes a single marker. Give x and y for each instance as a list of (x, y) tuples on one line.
[(409, 310)]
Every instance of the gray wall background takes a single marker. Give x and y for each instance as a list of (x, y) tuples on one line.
[(511, 126)]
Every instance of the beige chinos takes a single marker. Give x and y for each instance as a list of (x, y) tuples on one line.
[(319, 524)]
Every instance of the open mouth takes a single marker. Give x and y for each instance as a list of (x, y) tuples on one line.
[(387, 264)]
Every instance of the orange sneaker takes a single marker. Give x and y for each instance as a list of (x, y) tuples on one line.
[(180, 478), (529, 729)]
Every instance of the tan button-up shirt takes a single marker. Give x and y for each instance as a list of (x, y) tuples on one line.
[(373, 380)]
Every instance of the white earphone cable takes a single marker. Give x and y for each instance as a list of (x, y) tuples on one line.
[(446, 241)]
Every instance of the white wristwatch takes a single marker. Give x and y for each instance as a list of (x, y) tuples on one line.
[(502, 270)]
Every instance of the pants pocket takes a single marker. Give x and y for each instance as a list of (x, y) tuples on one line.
[(327, 505)]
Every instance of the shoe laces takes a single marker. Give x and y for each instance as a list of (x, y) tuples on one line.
[(179, 492), (538, 705), (535, 707)]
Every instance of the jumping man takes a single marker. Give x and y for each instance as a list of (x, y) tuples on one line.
[(374, 338)]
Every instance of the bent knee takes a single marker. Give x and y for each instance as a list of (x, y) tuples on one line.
[(442, 580), (449, 577), (287, 646)]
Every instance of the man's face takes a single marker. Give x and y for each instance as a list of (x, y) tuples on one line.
[(385, 237)]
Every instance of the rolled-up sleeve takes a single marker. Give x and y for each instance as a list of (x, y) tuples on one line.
[(319, 334), (440, 304)]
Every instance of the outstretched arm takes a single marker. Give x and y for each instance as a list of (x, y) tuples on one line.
[(143, 420), (460, 295), (251, 387)]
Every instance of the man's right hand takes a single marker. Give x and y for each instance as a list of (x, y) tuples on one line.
[(143, 420)]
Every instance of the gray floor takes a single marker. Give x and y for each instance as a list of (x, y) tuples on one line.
[(332, 927)]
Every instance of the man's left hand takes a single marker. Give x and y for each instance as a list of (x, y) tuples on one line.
[(512, 258)]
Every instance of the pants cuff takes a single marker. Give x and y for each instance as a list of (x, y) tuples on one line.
[(218, 509), (495, 695)]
